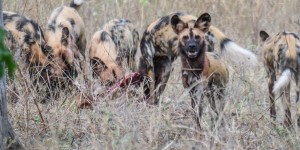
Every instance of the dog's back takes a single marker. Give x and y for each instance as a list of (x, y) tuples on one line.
[(28, 35), (113, 49), (66, 16), (65, 36)]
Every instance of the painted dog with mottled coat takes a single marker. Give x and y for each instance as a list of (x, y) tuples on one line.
[(159, 49), (28, 35), (203, 72), (66, 39), (282, 62), (113, 49)]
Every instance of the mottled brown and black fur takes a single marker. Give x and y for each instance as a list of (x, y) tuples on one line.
[(26, 41), (113, 49), (203, 72), (159, 49), (29, 37), (282, 63), (65, 36)]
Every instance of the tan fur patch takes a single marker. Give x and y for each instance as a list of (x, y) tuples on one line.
[(37, 55), (115, 46), (65, 17)]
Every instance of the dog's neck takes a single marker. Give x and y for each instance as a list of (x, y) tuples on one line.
[(195, 65)]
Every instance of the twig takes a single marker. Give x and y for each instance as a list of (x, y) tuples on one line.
[(167, 146), (25, 5), (298, 22), (39, 111), (35, 102)]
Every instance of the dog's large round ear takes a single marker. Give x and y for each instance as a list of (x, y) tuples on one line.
[(203, 22), (177, 24), (263, 35), (65, 36)]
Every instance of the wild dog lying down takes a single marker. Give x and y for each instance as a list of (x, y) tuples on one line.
[(113, 48), (28, 35), (282, 63), (159, 50), (66, 39)]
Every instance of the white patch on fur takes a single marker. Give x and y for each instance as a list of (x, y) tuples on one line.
[(233, 48), (149, 50), (78, 2), (283, 81)]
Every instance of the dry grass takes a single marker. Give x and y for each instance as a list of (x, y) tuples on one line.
[(125, 123)]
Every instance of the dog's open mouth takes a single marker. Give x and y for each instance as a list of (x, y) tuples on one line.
[(192, 54)]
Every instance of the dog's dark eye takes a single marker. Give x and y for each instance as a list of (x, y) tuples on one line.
[(197, 37), (185, 37)]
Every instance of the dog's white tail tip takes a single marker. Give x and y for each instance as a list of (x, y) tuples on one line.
[(78, 2), (234, 48), (283, 81)]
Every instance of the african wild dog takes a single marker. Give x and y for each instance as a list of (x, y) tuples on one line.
[(29, 37), (113, 48), (25, 39), (202, 71), (282, 62), (159, 49), (66, 39)]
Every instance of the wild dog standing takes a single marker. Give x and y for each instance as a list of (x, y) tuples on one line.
[(202, 71), (66, 39), (159, 49), (282, 62), (114, 43)]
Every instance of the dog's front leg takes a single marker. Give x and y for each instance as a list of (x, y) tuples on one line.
[(197, 95)]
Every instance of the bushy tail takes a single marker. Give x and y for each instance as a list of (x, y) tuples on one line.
[(283, 81), (228, 45), (76, 4), (290, 64)]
